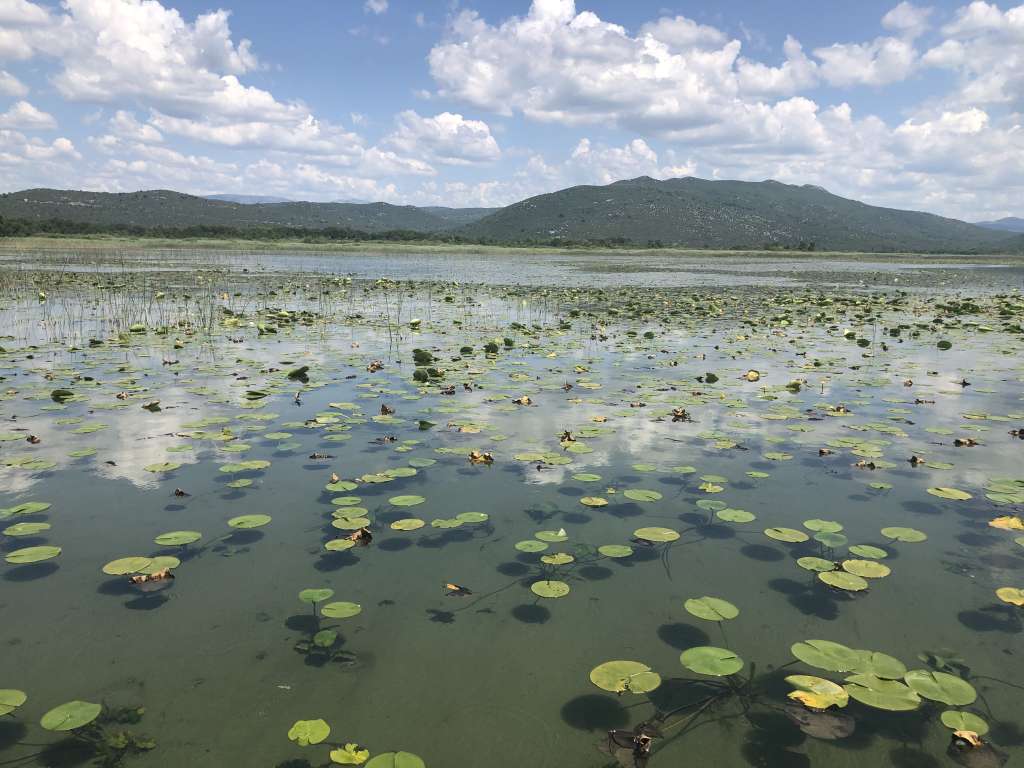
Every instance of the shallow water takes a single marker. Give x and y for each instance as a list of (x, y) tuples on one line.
[(501, 677)]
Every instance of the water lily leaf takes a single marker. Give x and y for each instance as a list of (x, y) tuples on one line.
[(472, 517), (407, 524), (586, 477), (249, 521), (708, 660), (1011, 595), (351, 754), (625, 677), (163, 466), (314, 596), (825, 654), (325, 638), (868, 569), (907, 535), (950, 493), (552, 537), (817, 692), (615, 550), (831, 540), (656, 534), (341, 610), (890, 695), (711, 608), (340, 486), (406, 501), (126, 565), (640, 494), (558, 558), (10, 700), (957, 720), (880, 665), (1007, 523), (396, 760), (25, 508), (941, 686), (69, 716), (868, 551), (531, 546), (550, 588), (842, 580), (817, 564), (306, 732), (339, 545), (177, 538), (788, 535), (593, 501), (32, 555), (823, 526), (26, 529)]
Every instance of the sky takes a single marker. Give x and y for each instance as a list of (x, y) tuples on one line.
[(486, 102)]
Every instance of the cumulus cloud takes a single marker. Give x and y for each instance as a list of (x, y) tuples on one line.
[(27, 117), (907, 18), (10, 85), (882, 61), (446, 138)]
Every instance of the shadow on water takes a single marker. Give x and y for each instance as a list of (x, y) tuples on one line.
[(394, 545), (67, 753), (770, 742), (11, 732), (513, 569), (810, 600), (31, 572), (993, 618), (531, 614), (592, 712), (682, 636), (146, 602), (762, 553), (594, 572), (335, 561)]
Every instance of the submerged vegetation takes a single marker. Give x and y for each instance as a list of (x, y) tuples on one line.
[(343, 518)]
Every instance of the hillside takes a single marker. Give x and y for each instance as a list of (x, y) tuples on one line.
[(248, 199), (164, 208), (1007, 224), (696, 213)]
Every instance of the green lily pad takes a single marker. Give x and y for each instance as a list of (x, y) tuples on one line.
[(735, 515), (880, 665), (550, 588), (825, 654), (163, 466), (69, 716), (816, 564), (890, 695), (314, 596), (339, 545), (407, 524), (641, 494), (307, 732), (406, 501), (26, 529), (552, 537), (249, 521), (10, 700), (954, 494), (823, 526), (907, 535), (708, 660), (350, 754), (557, 558), (625, 677), (531, 546), (788, 535), (396, 760), (341, 610), (586, 477), (842, 580), (956, 720), (656, 534), (868, 551), (615, 550), (472, 517), (817, 692), (126, 565), (711, 608), (868, 569), (32, 555), (593, 501), (177, 538), (941, 686)]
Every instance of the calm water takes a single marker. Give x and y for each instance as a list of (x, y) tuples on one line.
[(220, 661)]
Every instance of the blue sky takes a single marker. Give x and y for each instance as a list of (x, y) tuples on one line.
[(483, 103)]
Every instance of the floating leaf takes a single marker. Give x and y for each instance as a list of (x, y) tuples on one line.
[(823, 526), (351, 754), (711, 608), (817, 564), (531, 546), (406, 501), (558, 558), (339, 545), (1011, 595), (963, 721), (26, 529), (307, 732), (625, 677), (890, 695), (69, 716), (735, 515), (396, 760), (10, 700), (472, 517), (640, 494), (615, 550), (407, 524), (842, 580), (817, 692), (249, 521), (788, 535), (868, 569), (593, 501), (941, 686), (868, 551), (656, 534), (907, 535), (825, 654), (552, 537), (163, 466), (314, 596), (341, 610), (550, 588), (950, 493), (177, 538), (32, 555), (708, 660)]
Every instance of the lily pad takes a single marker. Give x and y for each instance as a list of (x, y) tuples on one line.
[(842, 580), (711, 608), (406, 501), (396, 760), (641, 494), (32, 555), (177, 538), (868, 551), (314, 596), (890, 695), (868, 569), (817, 692), (825, 654), (941, 686), (788, 535), (615, 550), (307, 732), (350, 754), (1011, 595), (557, 558), (341, 610), (907, 535), (550, 588), (249, 521), (69, 716), (593, 501), (656, 534), (10, 700), (625, 677), (531, 546), (408, 524), (954, 494), (708, 660), (957, 720), (26, 529)]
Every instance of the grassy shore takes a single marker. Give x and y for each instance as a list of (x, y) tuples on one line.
[(110, 242)]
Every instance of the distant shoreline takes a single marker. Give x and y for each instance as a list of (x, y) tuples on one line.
[(108, 242)]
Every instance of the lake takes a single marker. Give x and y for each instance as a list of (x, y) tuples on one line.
[(705, 465)]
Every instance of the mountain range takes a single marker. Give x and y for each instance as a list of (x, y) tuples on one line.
[(1007, 224), (683, 212)]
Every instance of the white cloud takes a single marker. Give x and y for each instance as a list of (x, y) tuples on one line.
[(446, 138), (10, 85), (125, 125), (882, 61), (907, 18), (376, 7), (27, 117)]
